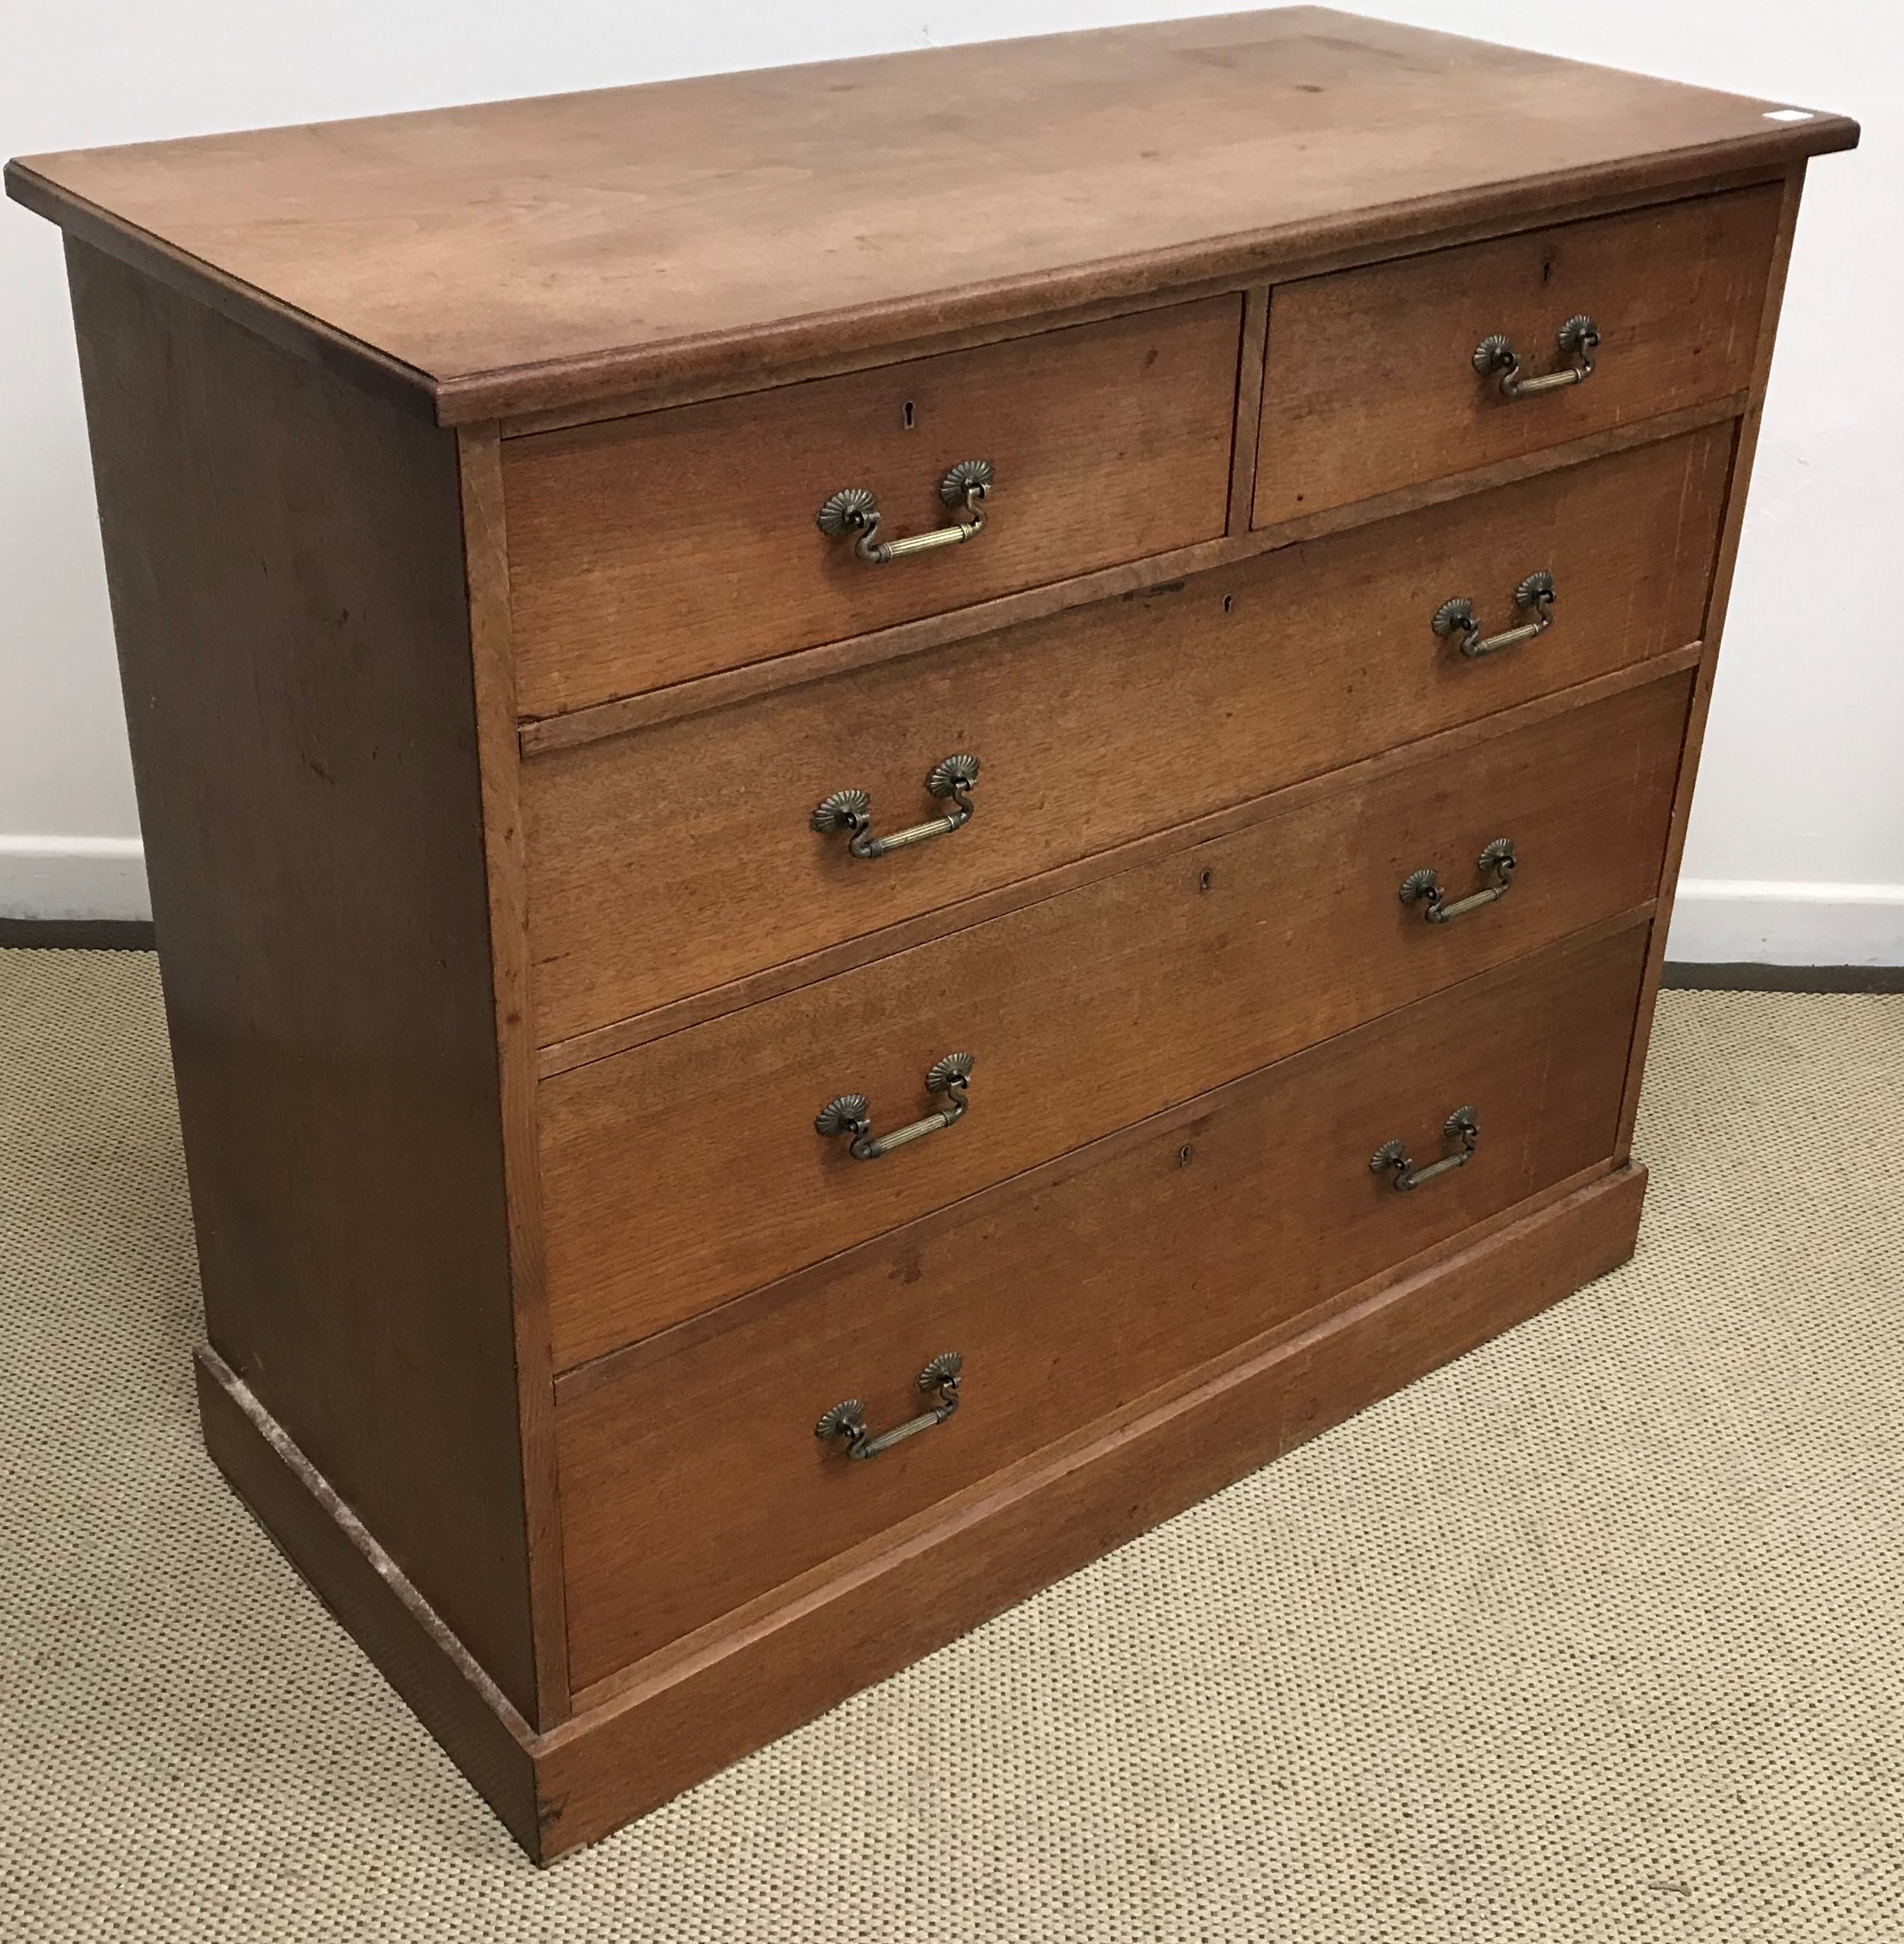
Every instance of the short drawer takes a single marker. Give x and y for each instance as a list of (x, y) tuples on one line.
[(650, 550), (691, 1477), (678, 858), (685, 1171), (1371, 381)]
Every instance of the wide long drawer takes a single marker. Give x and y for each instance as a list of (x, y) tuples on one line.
[(1381, 378), (682, 1172), (678, 858), (652, 549), (691, 1477)]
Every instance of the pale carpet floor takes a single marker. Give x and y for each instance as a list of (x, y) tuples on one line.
[(1597, 1634)]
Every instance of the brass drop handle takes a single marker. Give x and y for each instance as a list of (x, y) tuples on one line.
[(851, 810), (1456, 616), (854, 510), (1496, 357), (1424, 888), (1392, 1157), (847, 1418), (846, 1113)]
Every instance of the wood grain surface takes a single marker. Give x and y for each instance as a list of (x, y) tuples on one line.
[(1370, 381), (846, 955), (285, 554), (685, 1171), (527, 254), (650, 550), (486, 576), (541, 734), (688, 1714), (679, 858), (1069, 1295)]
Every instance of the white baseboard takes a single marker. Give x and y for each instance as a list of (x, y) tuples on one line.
[(1722, 921), (73, 878)]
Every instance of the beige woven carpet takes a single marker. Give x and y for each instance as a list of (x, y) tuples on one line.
[(1597, 1634)]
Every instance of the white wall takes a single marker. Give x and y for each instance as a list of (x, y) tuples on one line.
[(1797, 852)]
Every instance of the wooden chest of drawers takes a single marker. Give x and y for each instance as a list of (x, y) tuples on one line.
[(1005, 779)]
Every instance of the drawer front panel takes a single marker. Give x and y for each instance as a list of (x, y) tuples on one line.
[(653, 549), (674, 860), (686, 1170), (691, 1478), (1371, 383)]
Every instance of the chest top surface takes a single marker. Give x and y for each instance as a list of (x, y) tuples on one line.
[(525, 252)]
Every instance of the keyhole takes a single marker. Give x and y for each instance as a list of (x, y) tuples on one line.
[(1186, 1154), (1229, 601), (1203, 881), (908, 415)]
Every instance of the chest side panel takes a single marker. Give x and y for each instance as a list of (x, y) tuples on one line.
[(285, 561)]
